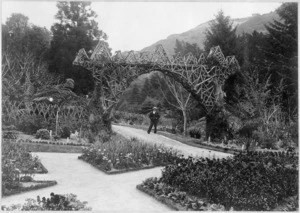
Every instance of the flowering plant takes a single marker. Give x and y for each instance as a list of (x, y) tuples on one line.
[(121, 153)]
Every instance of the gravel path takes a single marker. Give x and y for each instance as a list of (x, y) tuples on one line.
[(160, 139), (102, 192), (105, 192)]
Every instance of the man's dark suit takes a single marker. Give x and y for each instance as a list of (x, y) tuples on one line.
[(154, 117)]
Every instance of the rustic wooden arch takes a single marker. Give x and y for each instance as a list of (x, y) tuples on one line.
[(202, 78)]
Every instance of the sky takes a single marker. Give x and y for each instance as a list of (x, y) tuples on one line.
[(135, 25)]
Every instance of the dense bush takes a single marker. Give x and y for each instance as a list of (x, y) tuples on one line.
[(197, 128), (10, 134), (68, 202), (194, 132), (121, 153), (187, 202), (31, 124), (16, 160), (43, 134), (254, 181), (65, 132)]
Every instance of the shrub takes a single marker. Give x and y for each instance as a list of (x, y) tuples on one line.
[(10, 134), (43, 134), (26, 179), (121, 153), (253, 181), (31, 124), (65, 132), (68, 202), (8, 128), (16, 160), (194, 132)]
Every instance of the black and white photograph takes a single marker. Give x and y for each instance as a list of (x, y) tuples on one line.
[(149, 106)]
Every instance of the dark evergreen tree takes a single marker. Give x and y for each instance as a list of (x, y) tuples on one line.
[(76, 29), (221, 33), (282, 53)]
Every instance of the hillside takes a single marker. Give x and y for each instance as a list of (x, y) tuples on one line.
[(197, 34)]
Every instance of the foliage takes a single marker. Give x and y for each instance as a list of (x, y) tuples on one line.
[(67, 202), (43, 134), (217, 126), (184, 48), (16, 160), (189, 202), (30, 124), (121, 153), (183, 98), (282, 53), (20, 36), (76, 28), (221, 33), (253, 181), (9, 134), (65, 132)]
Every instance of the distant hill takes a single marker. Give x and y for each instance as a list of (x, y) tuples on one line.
[(197, 34)]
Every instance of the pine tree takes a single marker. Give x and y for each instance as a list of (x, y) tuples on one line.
[(221, 33), (282, 52)]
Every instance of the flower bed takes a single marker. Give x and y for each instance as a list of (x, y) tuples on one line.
[(46, 142), (175, 199), (68, 202), (123, 155), (18, 165), (28, 186), (248, 181)]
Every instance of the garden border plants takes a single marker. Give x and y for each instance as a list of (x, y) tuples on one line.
[(46, 142), (252, 181), (48, 183), (121, 155), (115, 171)]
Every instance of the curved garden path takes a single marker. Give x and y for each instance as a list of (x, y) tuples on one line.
[(160, 139), (104, 192)]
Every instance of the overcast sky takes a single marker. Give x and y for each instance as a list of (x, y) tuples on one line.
[(135, 25)]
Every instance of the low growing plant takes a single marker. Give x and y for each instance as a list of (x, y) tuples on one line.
[(252, 181), (121, 153), (68, 202), (43, 134)]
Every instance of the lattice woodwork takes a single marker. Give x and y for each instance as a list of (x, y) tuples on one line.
[(118, 71), (13, 112)]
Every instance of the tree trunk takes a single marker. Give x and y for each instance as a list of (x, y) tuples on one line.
[(184, 122), (99, 121)]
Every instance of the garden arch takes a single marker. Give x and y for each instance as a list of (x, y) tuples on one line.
[(202, 78)]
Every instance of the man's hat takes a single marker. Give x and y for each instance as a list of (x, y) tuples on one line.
[(154, 107)]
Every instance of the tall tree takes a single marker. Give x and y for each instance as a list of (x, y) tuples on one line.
[(24, 68), (282, 52), (21, 37), (221, 33), (76, 29), (183, 99)]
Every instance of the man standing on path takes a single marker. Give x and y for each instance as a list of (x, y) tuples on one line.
[(154, 117)]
